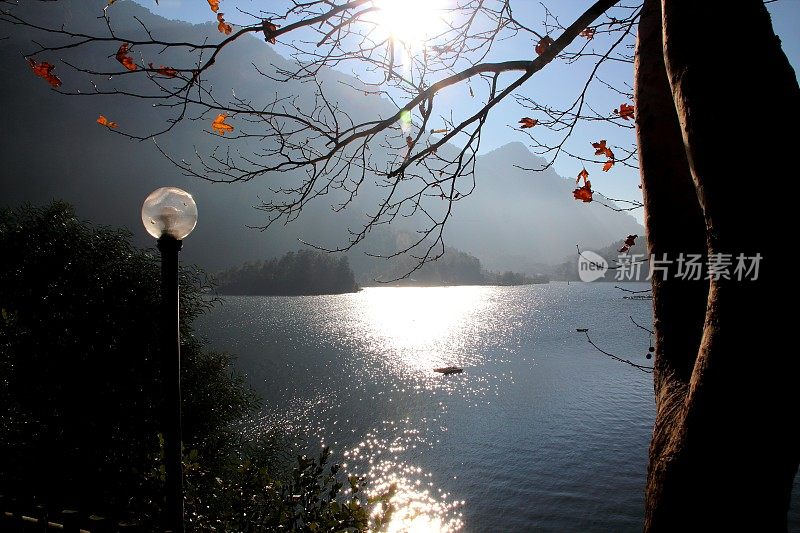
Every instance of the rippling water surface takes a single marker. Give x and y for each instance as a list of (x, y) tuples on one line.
[(541, 432)]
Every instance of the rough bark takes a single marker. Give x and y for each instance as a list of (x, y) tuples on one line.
[(675, 224), (723, 454)]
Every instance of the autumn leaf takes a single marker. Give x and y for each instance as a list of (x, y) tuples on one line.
[(582, 175), (588, 33), (471, 92), (219, 124), (584, 193), (543, 45), (625, 111), (123, 57), (442, 130), (103, 121), (600, 148), (527, 122), (214, 4), (269, 30), (629, 242), (223, 26), (167, 72), (45, 71)]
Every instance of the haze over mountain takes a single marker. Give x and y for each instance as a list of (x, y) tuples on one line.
[(515, 219)]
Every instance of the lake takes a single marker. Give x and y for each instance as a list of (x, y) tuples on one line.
[(540, 433)]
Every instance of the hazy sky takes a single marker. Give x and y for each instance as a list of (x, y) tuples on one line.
[(556, 85)]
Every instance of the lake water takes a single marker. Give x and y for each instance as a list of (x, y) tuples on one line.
[(540, 433)]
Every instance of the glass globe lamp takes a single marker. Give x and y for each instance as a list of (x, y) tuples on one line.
[(169, 211)]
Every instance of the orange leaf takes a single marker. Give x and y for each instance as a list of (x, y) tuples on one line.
[(629, 242), (601, 149), (214, 5), (167, 72), (442, 130), (269, 30), (223, 27), (625, 111), (543, 45), (583, 193), (527, 122), (219, 124), (588, 33), (103, 121), (123, 57), (45, 71), (582, 175)]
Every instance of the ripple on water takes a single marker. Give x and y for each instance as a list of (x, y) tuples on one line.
[(539, 432)]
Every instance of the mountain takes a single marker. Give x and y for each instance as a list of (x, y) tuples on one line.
[(53, 148)]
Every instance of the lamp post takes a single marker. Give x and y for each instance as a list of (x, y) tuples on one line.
[(169, 214)]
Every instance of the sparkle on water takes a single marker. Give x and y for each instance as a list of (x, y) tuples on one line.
[(540, 431)]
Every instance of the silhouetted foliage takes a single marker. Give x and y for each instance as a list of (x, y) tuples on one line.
[(80, 391), (78, 347), (304, 272), (510, 278)]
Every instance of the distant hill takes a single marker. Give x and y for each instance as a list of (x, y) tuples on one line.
[(568, 269), (53, 149), (306, 272)]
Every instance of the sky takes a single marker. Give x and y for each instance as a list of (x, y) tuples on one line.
[(557, 84)]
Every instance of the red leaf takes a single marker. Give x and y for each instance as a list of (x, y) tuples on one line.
[(583, 193), (625, 111), (214, 5), (629, 242), (584, 175), (588, 33), (45, 71), (543, 45), (527, 122), (223, 26), (123, 57), (600, 148), (103, 121), (269, 30), (167, 72), (219, 124)]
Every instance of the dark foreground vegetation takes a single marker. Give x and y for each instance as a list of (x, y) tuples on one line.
[(79, 390)]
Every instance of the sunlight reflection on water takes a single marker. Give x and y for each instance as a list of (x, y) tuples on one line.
[(524, 423), (408, 332)]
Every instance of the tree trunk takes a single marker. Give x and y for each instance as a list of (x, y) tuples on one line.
[(723, 454), (674, 223)]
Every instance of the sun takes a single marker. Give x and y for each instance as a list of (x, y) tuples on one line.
[(409, 22)]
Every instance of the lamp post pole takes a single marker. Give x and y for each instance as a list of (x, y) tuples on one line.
[(171, 380), (170, 214)]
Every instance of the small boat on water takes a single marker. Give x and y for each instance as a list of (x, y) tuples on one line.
[(447, 370)]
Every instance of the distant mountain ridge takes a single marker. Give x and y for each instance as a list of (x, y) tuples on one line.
[(515, 220)]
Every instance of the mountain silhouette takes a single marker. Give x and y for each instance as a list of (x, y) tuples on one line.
[(53, 149)]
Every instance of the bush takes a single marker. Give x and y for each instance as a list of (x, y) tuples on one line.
[(80, 425)]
